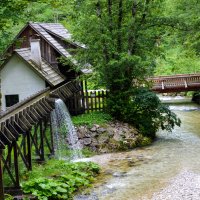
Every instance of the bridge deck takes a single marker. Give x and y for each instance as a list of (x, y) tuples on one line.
[(175, 83)]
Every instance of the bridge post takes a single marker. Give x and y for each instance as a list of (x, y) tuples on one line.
[(1, 177)]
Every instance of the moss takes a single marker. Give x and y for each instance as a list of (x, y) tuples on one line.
[(143, 141)]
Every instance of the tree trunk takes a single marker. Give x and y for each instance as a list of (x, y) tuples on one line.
[(105, 51), (110, 16), (120, 18)]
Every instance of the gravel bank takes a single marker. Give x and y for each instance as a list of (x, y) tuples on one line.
[(185, 186)]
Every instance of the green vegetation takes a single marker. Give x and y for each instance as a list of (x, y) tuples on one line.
[(59, 179), (92, 118), (126, 41), (180, 45), (8, 197), (122, 45)]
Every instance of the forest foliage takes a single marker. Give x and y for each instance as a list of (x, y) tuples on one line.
[(178, 39), (126, 41)]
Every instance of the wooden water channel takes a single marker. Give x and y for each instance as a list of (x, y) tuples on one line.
[(25, 128)]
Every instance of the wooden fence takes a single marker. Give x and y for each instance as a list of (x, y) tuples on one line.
[(93, 100)]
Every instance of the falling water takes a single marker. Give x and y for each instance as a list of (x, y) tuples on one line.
[(65, 136)]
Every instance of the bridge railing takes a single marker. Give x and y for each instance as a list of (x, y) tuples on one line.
[(177, 83)]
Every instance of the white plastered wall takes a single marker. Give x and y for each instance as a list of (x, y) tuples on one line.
[(17, 77)]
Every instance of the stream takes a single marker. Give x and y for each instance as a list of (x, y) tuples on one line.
[(169, 166)]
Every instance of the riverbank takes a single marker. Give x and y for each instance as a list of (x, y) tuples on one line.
[(184, 186), (170, 167)]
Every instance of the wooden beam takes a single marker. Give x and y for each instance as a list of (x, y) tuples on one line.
[(1, 177)]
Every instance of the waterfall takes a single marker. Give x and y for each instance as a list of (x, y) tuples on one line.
[(65, 136)]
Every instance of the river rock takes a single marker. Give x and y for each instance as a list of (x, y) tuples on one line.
[(103, 138), (101, 130), (111, 137), (93, 129), (82, 132), (87, 141), (119, 174)]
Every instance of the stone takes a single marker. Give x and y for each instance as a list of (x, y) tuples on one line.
[(93, 129), (101, 130), (82, 132), (93, 134), (103, 138), (94, 142), (103, 150), (110, 133), (112, 137), (87, 141), (119, 174)]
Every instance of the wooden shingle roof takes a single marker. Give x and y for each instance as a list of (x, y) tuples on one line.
[(47, 72), (57, 29), (43, 28)]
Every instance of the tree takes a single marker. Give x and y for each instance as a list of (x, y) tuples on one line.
[(181, 47), (122, 40)]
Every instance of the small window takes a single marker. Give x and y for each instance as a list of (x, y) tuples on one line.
[(11, 99)]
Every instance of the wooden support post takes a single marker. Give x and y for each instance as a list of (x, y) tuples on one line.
[(86, 98), (24, 144), (35, 137), (1, 177), (41, 142), (17, 186), (29, 149), (52, 140)]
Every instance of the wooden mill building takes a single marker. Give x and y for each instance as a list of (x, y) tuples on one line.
[(32, 62), (31, 79)]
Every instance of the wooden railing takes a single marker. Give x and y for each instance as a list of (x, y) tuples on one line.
[(176, 83)]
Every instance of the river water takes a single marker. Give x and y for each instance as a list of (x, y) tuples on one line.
[(169, 156)]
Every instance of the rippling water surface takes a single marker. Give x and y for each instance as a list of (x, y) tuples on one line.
[(170, 154)]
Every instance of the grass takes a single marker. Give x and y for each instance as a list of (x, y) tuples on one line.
[(89, 119)]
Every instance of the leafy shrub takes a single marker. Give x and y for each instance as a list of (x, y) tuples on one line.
[(8, 197), (55, 186), (144, 110)]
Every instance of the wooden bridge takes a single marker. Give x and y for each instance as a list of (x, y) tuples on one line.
[(175, 83)]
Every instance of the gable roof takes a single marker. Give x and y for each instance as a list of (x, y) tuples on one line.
[(47, 72), (56, 29), (43, 30)]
